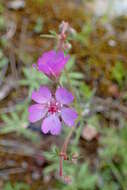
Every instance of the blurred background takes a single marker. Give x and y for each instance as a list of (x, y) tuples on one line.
[(98, 74)]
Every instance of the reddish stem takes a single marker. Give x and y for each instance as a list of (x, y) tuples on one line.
[(63, 153), (61, 166)]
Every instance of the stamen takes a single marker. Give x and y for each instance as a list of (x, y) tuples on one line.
[(53, 107)]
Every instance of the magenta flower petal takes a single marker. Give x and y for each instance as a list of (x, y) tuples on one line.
[(60, 66), (36, 112), (69, 116), (52, 63), (57, 65), (47, 56), (52, 124), (64, 96), (44, 60), (41, 96)]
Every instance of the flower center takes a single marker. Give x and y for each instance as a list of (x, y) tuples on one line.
[(54, 107)]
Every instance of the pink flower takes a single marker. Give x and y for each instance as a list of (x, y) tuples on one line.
[(53, 109), (52, 63)]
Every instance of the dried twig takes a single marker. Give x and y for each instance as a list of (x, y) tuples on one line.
[(7, 87), (11, 29), (14, 147), (3, 73), (4, 173), (109, 105), (13, 65)]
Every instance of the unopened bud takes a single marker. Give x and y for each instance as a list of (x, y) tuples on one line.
[(72, 31), (67, 180), (75, 157), (67, 46), (63, 27)]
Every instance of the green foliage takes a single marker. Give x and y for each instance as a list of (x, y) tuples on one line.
[(85, 91), (119, 73), (52, 156), (82, 178), (17, 122), (114, 158), (2, 23), (1, 8), (83, 36), (16, 186), (38, 28), (70, 75), (3, 41), (33, 79), (39, 1)]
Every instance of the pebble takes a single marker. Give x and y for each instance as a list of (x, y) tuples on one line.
[(16, 4)]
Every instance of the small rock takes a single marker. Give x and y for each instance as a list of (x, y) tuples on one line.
[(35, 176), (16, 4), (112, 43), (89, 133), (47, 178), (113, 90)]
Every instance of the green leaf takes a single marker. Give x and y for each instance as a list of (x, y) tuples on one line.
[(16, 186), (86, 91), (3, 62), (70, 63), (118, 73), (39, 25)]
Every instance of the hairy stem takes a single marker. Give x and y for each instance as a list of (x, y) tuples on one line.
[(63, 153), (66, 142), (61, 166)]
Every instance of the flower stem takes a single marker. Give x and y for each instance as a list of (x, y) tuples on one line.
[(61, 166), (63, 152), (66, 142)]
